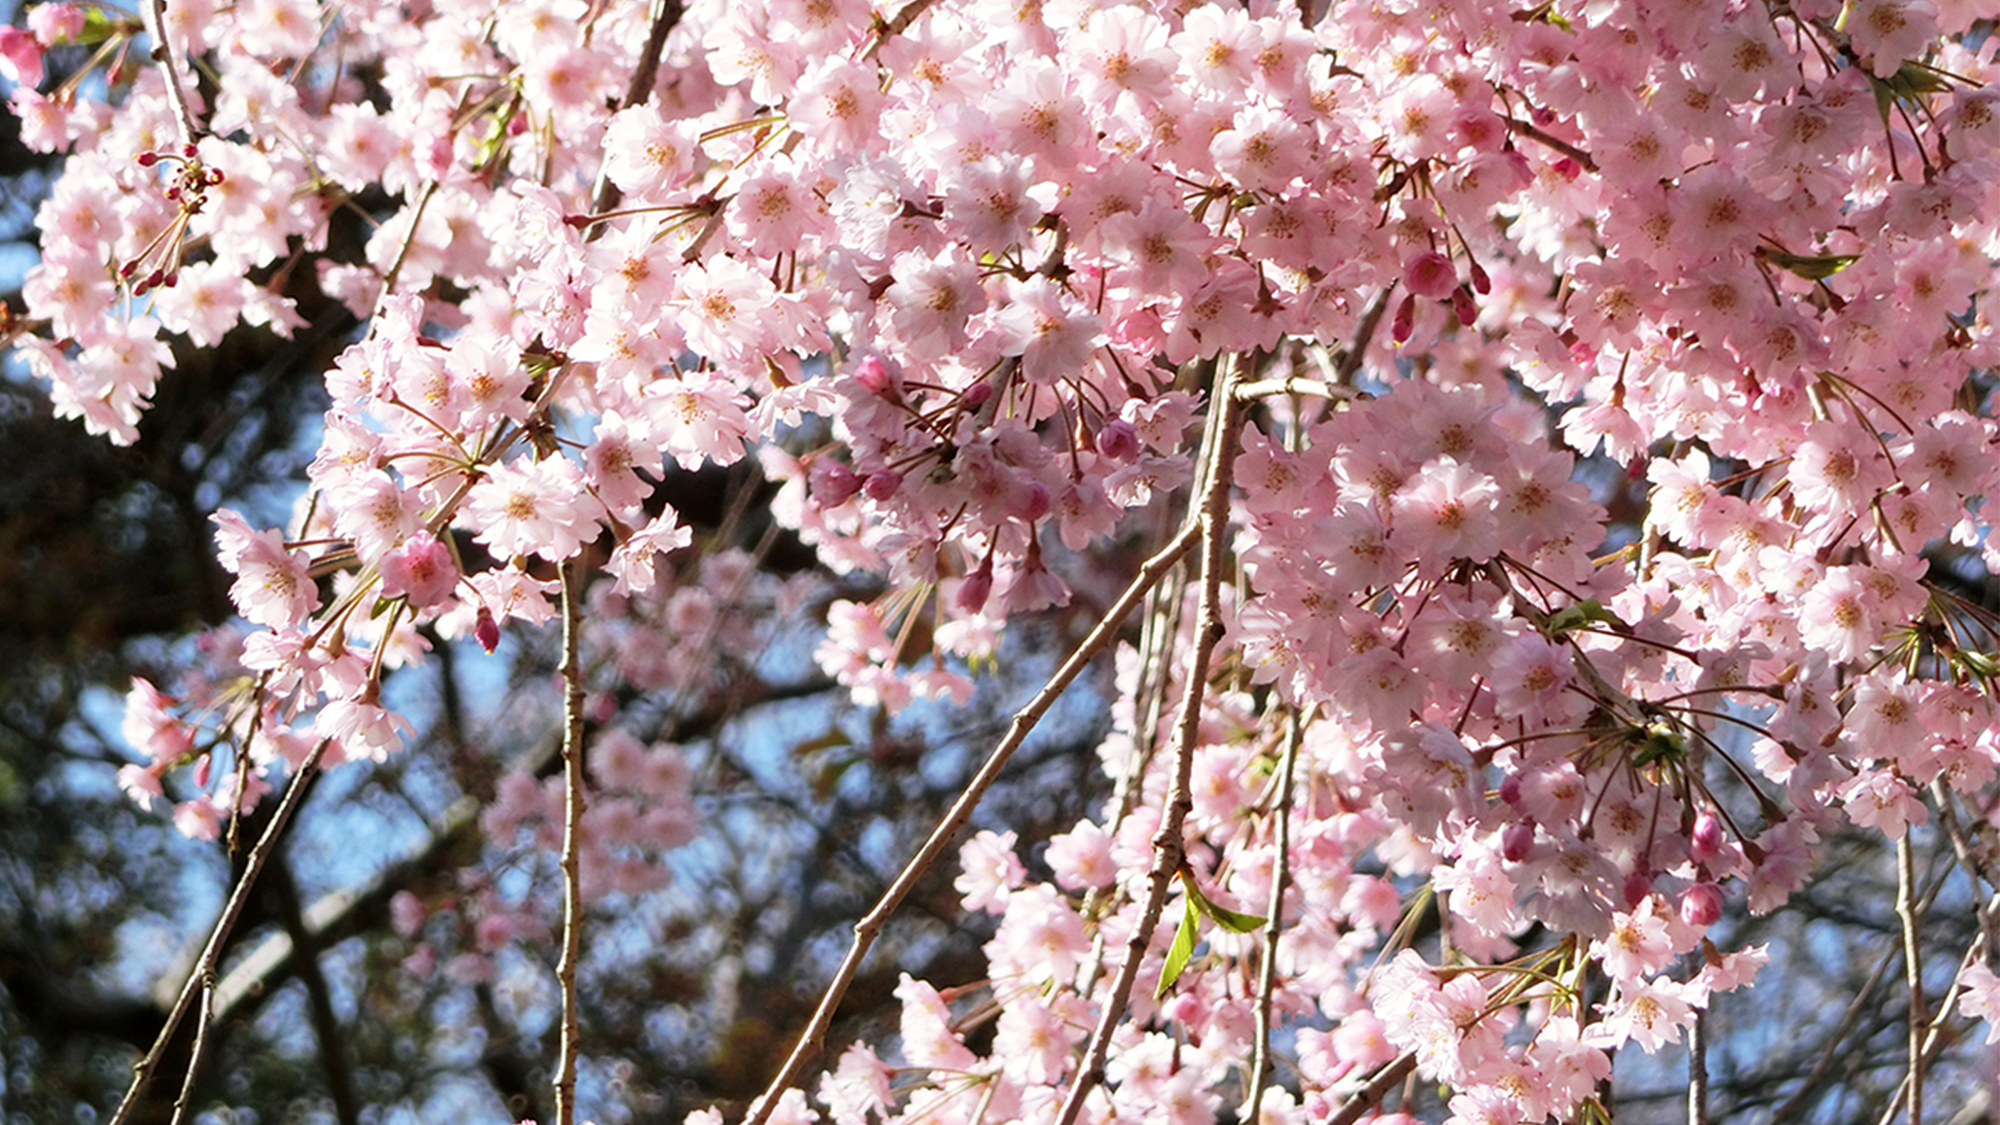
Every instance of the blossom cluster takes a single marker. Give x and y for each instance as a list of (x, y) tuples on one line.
[(960, 279)]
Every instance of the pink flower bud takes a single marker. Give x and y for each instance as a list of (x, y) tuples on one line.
[(1701, 905), (882, 484), (1516, 840), (486, 630), (1463, 306), (1510, 789), (875, 375), (1405, 321), (1481, 283), (1638, 885), (977, 394), (1118, 440), (1430, 275), (832, 482), (977, 587), (1706, 842), (1035, 502)]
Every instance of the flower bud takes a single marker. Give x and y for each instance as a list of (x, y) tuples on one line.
[(833, 483), (1463, 306), (1405, 321), (1430, 275), (1701, 905), (1516, 840), (977, 587), (882, 484), (1118, 440), (875, 375), (1638, 885), (1706, 842), (486, 630)]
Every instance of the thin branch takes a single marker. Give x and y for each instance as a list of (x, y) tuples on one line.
[(1371, 1095), (1169, 848), (1913, 970), (1295, 385), (155, 14), (204, 1021), (572, 944), (1024, 721), (1698, 1069), (204, 969), (1267, 970)]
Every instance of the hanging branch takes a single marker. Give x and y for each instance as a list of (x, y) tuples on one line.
[(155, 15), (1169, 849), (1024, 721), (572, 677), (1913, 970), (203, 974), (1267, 970)]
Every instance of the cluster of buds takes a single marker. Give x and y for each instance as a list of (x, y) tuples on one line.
[(188, 190)]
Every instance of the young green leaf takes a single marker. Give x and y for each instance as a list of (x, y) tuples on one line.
[(1182, 950)]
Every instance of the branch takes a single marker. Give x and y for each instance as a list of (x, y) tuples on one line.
[(155, 15), (1169, 848), (1267, 969), (1371, 1095), (1913, 970), (203, 977), (572, 944), (870, 926)]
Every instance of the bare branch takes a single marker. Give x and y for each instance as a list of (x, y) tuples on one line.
[(1169, 848)]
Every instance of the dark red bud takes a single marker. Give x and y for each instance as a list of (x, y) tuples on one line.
[(1405, 321), (882, 484), (486, 630), (1463, 306)]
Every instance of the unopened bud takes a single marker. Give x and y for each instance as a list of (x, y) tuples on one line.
[(1118, 440), (875, 375), (1706, 841), (832, 483), (977, 587), (485, 630), (1701, 906), (1638, 885), (1405, 321), (1463, 306), (882, 484), (1516, 840)]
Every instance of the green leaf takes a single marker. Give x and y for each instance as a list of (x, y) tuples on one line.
[(1574, 617), (1182, 950), (1233, 921), (1812, 267), (1661, 742)]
